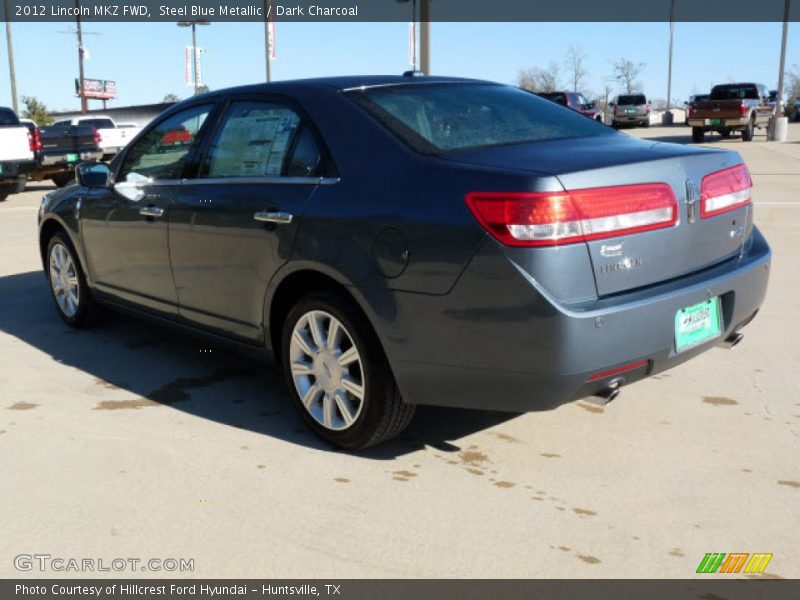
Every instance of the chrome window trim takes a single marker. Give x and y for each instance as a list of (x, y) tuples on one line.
[(248, 180)]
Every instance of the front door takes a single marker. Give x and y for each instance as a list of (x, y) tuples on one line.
[(125, 227), (234, 225)]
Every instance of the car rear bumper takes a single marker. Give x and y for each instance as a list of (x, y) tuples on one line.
[(62, 159), (707, 123), (632, 118), (498, 341)]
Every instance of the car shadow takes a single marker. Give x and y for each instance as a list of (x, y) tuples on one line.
[(144, 364)]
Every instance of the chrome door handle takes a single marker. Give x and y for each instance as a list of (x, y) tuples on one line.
[(281, 218), (151, 211)]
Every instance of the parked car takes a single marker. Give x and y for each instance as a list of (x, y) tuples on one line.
[(630, 109), (576, 102), (16, 153), (112, 137), (690, 105), (731, 107), (399, 241), (63, 147)]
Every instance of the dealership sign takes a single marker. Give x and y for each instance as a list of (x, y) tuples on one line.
[(97, 88)]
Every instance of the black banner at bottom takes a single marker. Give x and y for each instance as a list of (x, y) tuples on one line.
[(385, 589)]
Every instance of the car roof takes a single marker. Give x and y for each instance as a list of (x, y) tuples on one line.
[(339, 83)]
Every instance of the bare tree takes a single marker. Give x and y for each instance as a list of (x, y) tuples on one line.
[(575, 67), (535, 79), (626, 73), (792, 87)]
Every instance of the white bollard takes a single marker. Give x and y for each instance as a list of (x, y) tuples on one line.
[(778, 129)]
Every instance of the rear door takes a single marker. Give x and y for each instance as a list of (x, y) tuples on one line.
[(233, 225), (125, 227)]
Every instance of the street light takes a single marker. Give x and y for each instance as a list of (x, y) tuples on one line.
[(425, 34), (193, 23)]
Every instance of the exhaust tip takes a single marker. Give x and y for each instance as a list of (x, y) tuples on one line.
[(609, 393), (733, 340)]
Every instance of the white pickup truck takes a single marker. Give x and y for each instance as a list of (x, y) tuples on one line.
[(16, 152), (113, 137)]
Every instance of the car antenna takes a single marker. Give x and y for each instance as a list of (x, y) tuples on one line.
[(413, 73)]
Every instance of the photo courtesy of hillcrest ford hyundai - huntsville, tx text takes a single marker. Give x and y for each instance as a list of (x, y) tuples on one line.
[(398, 241)]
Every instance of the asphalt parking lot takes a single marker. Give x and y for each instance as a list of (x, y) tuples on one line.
[(128, 440)]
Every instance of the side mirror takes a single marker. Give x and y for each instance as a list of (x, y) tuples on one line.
[(93, 174)]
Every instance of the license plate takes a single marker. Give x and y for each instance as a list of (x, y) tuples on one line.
[(715, 121), (72, 158), (631, 111), (697, 324)]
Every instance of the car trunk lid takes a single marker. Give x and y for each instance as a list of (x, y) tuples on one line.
[(626, 262)]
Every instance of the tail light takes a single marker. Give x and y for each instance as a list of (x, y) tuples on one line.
[(742, 109), (557, 218), (647, 108), (31, 142), (37, 140), (97, 137), (725, 190)]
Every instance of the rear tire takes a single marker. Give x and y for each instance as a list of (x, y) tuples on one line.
[(62, 179), (6, 189), (338, 374), (68, 287), (747, 132), (615, 124), (698, 135)]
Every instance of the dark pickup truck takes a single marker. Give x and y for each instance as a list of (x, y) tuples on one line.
[(62, 147), (731, 107)]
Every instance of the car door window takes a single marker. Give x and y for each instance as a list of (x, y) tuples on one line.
[(254, 140), (163, 151)]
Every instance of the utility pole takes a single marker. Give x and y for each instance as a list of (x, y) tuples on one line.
[(425, 37), (11, 71), (81, 91), (195, 58), (777, 130), (668, 115)]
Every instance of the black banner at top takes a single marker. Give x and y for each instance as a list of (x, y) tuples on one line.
[(395, 10)]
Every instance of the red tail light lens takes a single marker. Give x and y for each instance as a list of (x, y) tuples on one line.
[(37, 137), (556, 218), (725, 190), (97, 137), (31, 142), (742, 109)]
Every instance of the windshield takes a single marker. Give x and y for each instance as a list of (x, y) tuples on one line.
[(631, 100), (434, 118)]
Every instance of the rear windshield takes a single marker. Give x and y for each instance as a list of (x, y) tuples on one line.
[(631, 100), (98, 123), (7, 117), (556, 97), (734, 92), (441, 117)]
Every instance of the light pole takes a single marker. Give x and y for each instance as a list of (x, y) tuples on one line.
[(668, 115), (777, 130), (193, 24), (425, 37), (11, 71)]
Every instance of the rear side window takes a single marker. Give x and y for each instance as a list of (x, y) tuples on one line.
[(254, 140), (556, 97), (434, 118), (633, 100), (306, 157), (8, 118)]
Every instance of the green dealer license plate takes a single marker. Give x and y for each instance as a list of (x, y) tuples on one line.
[(715, 121), (72, 158), (697, 324)]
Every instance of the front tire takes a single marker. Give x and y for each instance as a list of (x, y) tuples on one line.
[(68, 287), (698, 135), (62, 179), (338, 374)]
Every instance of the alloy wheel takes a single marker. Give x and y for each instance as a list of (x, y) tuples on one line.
[(327, 370), (64, 280)]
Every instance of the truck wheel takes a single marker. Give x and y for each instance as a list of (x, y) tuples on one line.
[(338, 374), (62, 179), (747, 132), (6, 189), (615, 124), (698, 135)]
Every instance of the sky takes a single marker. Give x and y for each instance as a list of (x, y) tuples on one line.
[(146, 59)]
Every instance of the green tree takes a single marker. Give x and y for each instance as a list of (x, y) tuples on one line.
[(171, 98), (36, 111)]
